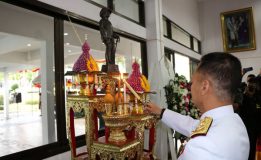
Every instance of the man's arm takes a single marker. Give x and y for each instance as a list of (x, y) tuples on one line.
[(182, 124)]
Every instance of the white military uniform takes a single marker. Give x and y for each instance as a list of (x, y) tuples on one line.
[(226, 138)]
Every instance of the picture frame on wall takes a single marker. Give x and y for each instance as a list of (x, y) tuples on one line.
[(238, 31)]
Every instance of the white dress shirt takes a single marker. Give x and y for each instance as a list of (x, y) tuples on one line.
[(226, 138)]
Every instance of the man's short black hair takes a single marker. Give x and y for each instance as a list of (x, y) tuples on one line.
[(224, 70)]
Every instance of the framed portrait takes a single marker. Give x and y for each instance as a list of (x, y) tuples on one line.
[(238, 32)]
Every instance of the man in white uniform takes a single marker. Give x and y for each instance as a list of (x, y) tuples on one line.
[(220, 133)]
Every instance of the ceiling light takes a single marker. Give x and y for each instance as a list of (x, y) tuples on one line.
[(69, 51), (29, 45), (66, 34), (67, 44)]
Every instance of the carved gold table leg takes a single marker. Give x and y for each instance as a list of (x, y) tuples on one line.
[(140, 123), (89, 128), (74, 104), (68, 125), (140, 137), (151, 125)]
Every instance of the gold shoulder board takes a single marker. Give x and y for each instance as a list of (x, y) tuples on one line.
[(203, 127)]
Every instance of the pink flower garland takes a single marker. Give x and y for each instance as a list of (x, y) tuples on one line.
[(80, 64), (134, 79)]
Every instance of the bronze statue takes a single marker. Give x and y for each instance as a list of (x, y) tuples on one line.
[(109, 38)]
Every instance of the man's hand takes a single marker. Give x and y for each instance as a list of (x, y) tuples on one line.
[(153, 108)]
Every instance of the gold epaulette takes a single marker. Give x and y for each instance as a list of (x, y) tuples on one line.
[(203, 127)]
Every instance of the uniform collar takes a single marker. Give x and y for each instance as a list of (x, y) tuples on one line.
[(218, 112)]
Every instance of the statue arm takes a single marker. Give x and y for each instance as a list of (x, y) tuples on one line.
[(116, 36)]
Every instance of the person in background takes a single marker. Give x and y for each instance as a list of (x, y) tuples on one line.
[(258, 143), (250, 76), (238, 100), (220, 133), (249, 112)]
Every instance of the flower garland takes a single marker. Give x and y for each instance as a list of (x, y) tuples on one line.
[(178, 95)]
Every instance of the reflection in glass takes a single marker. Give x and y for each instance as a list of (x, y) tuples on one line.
[(27, 68)]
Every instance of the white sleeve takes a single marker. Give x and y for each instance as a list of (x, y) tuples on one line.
[(180, 123)]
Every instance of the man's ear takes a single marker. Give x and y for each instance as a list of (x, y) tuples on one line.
[(205, 87)]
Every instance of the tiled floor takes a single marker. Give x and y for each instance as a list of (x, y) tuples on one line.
[(24, 132), (66, 155), (20, 133)]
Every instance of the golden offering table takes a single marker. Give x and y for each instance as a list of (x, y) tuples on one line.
[(140, 123), (135, 137), (120, 151), (90, 105)]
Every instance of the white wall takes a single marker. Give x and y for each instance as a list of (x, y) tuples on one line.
[(185, 14), (92, 12), (211, 29)]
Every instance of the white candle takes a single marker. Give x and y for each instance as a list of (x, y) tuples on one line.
[(124, 90), (131, 89)]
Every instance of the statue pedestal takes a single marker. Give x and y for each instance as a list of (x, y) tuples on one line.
[(110, 68)]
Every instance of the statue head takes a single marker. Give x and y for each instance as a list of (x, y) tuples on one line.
[(105, 12)]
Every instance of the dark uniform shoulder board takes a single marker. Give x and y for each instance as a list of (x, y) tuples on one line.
[(203, 127)]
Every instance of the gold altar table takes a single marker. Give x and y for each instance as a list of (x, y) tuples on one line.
[(107, 151), (90, 105), (93, 104), (140, 123)]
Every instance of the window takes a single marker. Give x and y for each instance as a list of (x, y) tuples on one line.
[(170, 54), (193, 66), (182, 66), (179, 35), (132, 11), (165, 32), (27, 65), (195, 44), (101, 2)]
